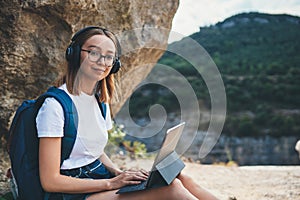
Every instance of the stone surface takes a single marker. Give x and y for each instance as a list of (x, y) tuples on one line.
[(35, 33)]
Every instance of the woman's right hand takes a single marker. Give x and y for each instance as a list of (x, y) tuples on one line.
[(127, 178)]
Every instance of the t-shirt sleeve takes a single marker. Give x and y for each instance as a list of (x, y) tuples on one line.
[(108, 120), (50, 119)]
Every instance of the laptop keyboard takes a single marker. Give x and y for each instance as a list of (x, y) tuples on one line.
[(131, 188)]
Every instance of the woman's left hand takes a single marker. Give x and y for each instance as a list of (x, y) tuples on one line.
[(141, 173)]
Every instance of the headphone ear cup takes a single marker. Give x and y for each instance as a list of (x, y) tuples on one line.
[(76, 56), (69, 52), (73, 55), (116, 66)]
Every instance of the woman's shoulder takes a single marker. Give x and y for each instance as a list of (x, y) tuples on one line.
[(51, 105), (50, 119)]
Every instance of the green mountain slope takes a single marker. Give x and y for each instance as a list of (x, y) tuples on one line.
[(258, 58)]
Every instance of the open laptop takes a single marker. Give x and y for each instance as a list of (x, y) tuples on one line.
[(166, 166)]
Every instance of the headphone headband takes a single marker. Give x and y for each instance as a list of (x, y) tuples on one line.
[(75, 36)]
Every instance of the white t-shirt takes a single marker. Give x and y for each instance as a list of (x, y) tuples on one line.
[(92, 127)]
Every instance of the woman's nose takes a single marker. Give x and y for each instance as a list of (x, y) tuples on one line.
[(101, 60)]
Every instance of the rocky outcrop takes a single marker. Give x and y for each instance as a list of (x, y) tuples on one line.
[(35, 34)]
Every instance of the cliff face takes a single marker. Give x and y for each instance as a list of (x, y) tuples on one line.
[(35, 33)]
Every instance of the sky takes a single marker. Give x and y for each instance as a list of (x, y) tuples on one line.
[(192, 14)]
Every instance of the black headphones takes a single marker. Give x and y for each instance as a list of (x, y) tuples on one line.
[(73, 50)]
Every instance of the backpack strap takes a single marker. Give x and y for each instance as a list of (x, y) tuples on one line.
[(71, 119), (102, 106)]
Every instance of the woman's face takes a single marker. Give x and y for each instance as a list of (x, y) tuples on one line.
[(96, 70)]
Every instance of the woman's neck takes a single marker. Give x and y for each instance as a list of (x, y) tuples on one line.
[(88, 87)]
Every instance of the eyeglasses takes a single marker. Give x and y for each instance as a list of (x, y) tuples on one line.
[(95, 56)]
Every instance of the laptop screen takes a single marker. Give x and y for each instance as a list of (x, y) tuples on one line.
[(169, 143)]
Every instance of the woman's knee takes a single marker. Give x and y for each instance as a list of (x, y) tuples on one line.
[(176, 183), (178, 191), (185, 179), (176, 186), (182, 176)]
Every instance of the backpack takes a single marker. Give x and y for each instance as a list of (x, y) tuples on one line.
[(24, 144)]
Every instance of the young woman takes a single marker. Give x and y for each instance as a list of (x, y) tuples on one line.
[(93, 58)]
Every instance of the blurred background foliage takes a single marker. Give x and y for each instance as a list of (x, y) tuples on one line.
[(258, 58), (118, 145)]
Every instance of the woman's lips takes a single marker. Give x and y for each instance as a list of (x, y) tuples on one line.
[(99, 70)]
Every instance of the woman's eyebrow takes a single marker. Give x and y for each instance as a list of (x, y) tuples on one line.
[(97, 47), (93, 46)]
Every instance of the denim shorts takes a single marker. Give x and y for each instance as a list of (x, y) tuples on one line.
[(95, 170)]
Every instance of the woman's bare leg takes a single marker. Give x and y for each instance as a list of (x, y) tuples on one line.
[(174, 191), (195, 189)]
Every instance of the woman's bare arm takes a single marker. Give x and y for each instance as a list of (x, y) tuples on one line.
[(53, 181)]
